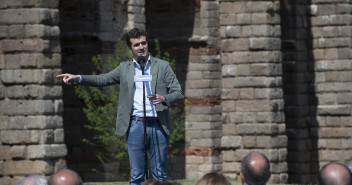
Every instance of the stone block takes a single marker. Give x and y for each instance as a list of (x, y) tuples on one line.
[(278, 167), (206, 109), (261, 6), (209, 5), (233, 31), (334, 132), (229, 94), (228, 105), (228, 45), (26, 107), (231, 141), (59, 136), (241, 82), (2, 91), (25, 16), (332, 87), (213, 22), (46, 151), (194, 75), (246, 94), (251, 57), (205, 142), (249, 141), (261, 31), (15, 137), (16, 31), (202, 92), (211, 75), (265, 18), (203, 118), (228, 19), (229, 156), (25, 45), (5, 152), (193, 159), (326, 9), (271, 142), (259, 105), (268, 93), (198, 84), (204, 67), (243, 18), (47, 137), (334, 155), (18, 152), (60, 164), (228, 128), (192, 134), (236, 7), (5, 180), (325, 20), (334, 110), (203, 125), (231, 167), (264, 43)]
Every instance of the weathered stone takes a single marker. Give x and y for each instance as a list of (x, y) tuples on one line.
[(231, 141), (26, 107), (5, 152), (18, 152), (46, 151), (15, 137), (231, 167), (59, 136)]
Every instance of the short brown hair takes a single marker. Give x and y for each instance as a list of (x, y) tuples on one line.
[(134, 33)]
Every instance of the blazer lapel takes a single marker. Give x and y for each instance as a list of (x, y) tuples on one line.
[(154, 72)]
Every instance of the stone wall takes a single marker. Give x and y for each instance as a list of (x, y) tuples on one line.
[(316, 40), (252, 96), (31, 125), (271, 76)]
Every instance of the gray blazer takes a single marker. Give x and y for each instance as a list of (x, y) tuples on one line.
[(164, 82)]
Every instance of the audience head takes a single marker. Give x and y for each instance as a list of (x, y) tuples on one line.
[(335, 174), (255, 169), (65, 177), (157, 182), (32, 180), (349, 165), (213, 178)]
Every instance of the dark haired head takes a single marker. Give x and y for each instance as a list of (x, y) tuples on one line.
[(255, 169), (335, 174), (213, 178), (135, 33)]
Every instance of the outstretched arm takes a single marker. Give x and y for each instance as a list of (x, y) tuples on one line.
[(69, 79)]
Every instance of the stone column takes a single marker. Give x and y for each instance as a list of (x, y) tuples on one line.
[(203, 110), (136, 14), (252, 96), (318, 74), (31, 134)]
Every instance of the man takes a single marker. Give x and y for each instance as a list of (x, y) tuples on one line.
[(335, 174), (32, 180), (65, 177), (255, 169), (162, 90)]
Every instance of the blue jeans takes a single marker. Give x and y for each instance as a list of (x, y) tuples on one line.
[(158, 143)]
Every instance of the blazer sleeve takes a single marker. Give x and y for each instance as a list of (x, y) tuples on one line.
[(175, 93), (110, 78)]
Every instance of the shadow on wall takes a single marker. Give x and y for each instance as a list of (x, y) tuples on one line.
[(299, 94)]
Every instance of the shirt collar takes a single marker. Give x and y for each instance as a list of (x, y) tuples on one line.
[(146, 65)]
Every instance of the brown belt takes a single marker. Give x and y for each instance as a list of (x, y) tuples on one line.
[(147, 119)]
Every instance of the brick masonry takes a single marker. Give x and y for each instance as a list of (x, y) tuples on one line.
[(271, 76)]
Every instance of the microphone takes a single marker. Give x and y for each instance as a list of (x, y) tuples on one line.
[(141, 62)]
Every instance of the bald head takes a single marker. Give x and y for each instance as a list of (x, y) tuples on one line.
[(65, 177), (335, 174), (255, 169)]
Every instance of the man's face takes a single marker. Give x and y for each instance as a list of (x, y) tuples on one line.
[(139, 47)]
